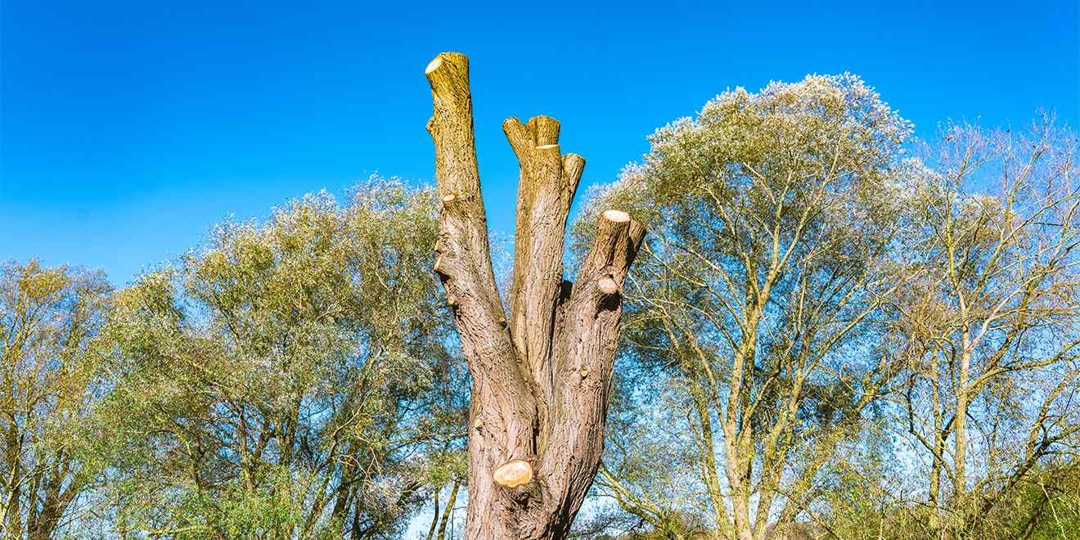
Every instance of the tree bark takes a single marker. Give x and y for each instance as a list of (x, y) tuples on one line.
[(541, 376)]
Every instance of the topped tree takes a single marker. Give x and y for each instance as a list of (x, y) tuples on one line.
[(542, 375)]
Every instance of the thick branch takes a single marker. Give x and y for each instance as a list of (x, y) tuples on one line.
[(587, 340), (464, 263), (545, 192)]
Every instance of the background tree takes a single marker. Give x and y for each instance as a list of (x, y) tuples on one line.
[(540, 373), (994, 318), (288, 380), (649, 425), (48, 320), (762, 293), (448, 474)]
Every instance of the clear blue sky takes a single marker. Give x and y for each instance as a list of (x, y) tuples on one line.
[(130, 127)]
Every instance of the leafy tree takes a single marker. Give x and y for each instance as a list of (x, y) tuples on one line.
[(762, 293), (994, 318), (289, 379), (1043, 504), (448, 473), (649, 426), (49, 318)]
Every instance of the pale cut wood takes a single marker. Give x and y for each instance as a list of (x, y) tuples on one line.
[(513, 474), (608, 286)]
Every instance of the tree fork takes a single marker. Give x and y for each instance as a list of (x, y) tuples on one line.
[(541, 376)]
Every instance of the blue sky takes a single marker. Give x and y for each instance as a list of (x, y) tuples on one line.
[(130, 128)]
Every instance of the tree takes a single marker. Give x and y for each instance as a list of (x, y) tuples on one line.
[(763, 292), (541, 374), (49, 318), (647, 425), (1044, 503), (995, 316), (287, 381), (449, 469)]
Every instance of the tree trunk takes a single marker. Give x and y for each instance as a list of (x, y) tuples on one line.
[(937, 463), (960, 427), (541, 376), (435, 517), (449, 511)]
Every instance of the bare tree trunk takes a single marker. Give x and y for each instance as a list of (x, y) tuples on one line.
[(939, 448), (707, 457), (740, 493), (435, 517), (449, 511), (13, 504), (960, 425), (738, 433), (541, 376)]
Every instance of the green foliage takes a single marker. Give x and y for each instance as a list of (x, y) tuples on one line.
[(283, 381), (770, 215), (817, 326), (49, 318), (1044, 506)]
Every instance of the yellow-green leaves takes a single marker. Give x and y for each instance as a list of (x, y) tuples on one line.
[(298, 359), (767, 260), (49, 319)]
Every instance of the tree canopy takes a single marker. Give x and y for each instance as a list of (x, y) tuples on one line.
[(824, 304), (289, 380)]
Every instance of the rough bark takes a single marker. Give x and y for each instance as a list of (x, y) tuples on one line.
[(541, 376)]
